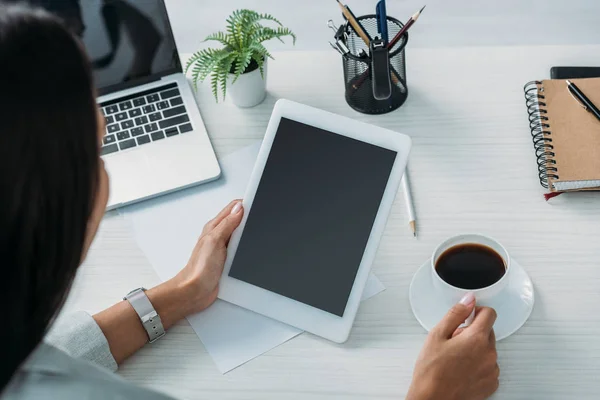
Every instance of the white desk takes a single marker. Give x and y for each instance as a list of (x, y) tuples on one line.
[(473, 169)]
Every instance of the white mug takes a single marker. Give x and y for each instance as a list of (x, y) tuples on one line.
[(453, 294)]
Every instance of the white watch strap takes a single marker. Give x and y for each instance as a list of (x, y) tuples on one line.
[(150, 318)]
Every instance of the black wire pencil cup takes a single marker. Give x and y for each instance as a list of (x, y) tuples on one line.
[(374, 75)]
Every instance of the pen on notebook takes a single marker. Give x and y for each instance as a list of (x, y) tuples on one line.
[(412, 220), (405, 28), (358, 28), (583, 100)]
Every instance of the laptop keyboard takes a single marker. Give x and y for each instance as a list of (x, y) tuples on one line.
[(143, 118)]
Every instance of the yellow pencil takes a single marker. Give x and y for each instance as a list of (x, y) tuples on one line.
[(360, 31)]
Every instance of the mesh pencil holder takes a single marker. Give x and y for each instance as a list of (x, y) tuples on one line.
[(358, 76)]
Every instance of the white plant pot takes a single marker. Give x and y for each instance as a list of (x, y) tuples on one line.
[(249, 90)]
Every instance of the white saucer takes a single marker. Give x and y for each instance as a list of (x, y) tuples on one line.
[(513, 305)]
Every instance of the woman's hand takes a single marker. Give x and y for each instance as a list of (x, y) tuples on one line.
[(196, 286), (200, 277), (189, 292), (458, 363)]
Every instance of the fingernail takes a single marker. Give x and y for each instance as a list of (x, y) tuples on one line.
[(236, 209), (468, 299)]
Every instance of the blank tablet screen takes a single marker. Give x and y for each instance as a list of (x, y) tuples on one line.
[(312, 215)]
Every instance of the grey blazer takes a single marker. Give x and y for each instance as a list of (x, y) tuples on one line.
[(74, 362)]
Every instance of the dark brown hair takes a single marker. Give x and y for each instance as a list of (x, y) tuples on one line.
[(48, 173)]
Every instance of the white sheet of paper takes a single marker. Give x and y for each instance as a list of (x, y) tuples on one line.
[(167, 228)]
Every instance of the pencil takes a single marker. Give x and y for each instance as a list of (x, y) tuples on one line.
[(412, 220), (405, 28), (360, 31)]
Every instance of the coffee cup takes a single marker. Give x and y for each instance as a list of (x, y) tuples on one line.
[(470, 263)]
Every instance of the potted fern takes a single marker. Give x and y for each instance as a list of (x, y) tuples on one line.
[(240, 67)]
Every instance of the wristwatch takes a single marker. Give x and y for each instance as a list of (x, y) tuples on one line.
[(150, 318)]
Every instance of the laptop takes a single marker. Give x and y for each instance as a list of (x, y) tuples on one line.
[(155, 140)]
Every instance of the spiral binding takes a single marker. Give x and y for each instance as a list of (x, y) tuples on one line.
[(540, 132)]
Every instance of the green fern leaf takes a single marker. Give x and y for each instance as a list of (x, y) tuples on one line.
[(224, 69), (234, 27), (242, 40), (232, 31), (266, 33), (244, 26), (220, 37), (205, 62), (214, 62), (262, 50), (199, 65), (195, 57), (251, 16), (269, 17), (251, 33), (214, 82), (228, 62), (260, 60), (281, 32), (223, 83), (241, 63), (196, 71), (250, 26)]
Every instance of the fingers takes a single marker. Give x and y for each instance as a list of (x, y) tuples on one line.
[(490, 384), (488, 387), (484, 319), (493, 338), (210, 225), (222, 232), (455, 317), (458, 332)]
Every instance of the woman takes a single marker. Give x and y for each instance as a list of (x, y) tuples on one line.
[(53, 191)]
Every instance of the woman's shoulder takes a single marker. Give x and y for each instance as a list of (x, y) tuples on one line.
[(51, 373)]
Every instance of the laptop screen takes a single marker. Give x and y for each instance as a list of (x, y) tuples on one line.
[(129, 41)]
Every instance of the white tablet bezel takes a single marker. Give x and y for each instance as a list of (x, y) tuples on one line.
[(287, 310)]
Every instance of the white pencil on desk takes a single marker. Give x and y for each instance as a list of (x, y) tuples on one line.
[(412, 221)]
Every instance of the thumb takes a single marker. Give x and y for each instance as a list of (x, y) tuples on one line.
[(222, 232), (456, 316)]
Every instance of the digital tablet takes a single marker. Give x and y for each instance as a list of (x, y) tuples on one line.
[(315, 209)]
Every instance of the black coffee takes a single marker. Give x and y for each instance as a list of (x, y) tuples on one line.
[(470, 266)]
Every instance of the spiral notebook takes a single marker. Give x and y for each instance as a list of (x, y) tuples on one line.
[(566, 137)]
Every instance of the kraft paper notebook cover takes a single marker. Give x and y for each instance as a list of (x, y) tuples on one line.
[(566, 137)]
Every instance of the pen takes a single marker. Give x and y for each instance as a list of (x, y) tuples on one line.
[(405, 28), (360, 31), (382, 27), (412, 221), (583, 100)]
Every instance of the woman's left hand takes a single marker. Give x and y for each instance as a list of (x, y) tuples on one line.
[(192, 290), (200, 277)]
